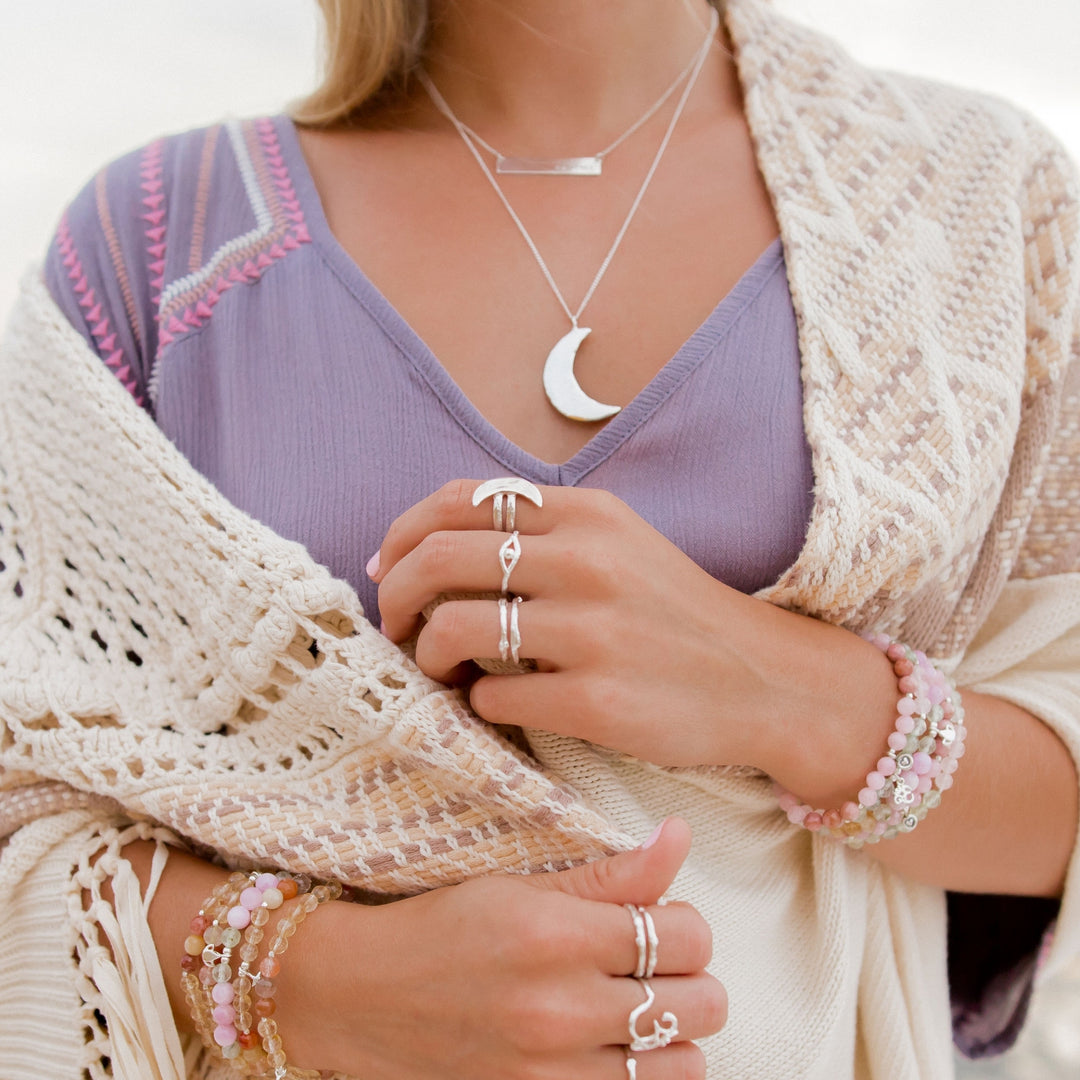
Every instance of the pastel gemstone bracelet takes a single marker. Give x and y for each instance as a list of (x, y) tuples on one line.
[(907, 782)]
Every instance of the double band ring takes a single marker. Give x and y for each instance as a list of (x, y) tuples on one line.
[(646, 940), (505, 490), (509, 633), (509, 553), (664, 1030)]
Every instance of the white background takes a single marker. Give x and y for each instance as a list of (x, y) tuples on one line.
[(82, 81)]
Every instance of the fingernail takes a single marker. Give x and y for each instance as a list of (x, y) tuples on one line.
[(654, 835), (382, 628), (372, 567)]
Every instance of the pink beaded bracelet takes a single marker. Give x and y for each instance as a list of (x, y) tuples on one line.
[(907, 782), (231, 1025)]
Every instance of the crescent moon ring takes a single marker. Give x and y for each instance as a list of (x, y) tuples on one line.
[(507, 485), (562, 387)]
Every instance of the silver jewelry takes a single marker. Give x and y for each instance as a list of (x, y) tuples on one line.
[(653, 943), (590, 164), (509, 487), (664, 1030), (640, 940), (646, 941), (631, 1065), (560, 385), (504, 633), (509, 553), (515, 633)]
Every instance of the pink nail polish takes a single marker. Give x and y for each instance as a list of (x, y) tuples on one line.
[(654, 836), (382, 628), (372, 567)]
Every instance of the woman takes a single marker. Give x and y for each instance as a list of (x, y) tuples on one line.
[(700, 562)]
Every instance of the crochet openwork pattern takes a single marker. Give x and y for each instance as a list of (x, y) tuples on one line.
[(174, 655)]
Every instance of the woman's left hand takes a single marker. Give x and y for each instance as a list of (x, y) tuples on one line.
[(638, 648)]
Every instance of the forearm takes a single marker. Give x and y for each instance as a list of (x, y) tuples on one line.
[(1008, 824)]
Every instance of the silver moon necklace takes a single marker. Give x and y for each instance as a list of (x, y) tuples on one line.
[(560, 383)]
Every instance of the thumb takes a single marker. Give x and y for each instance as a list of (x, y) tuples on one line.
[(640, 876)]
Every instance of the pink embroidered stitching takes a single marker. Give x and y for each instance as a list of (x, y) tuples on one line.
[(96, 319), (189, 310)]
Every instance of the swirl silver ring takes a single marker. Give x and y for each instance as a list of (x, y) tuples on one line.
[(506, 488), (631, 1065), (664, 1030), (509, 553)]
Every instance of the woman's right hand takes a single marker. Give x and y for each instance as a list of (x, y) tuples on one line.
[(504, 976)]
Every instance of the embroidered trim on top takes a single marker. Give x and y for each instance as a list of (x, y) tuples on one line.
[(94, 315), (187, 303)]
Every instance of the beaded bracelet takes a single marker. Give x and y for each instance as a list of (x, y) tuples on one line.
[(220, 1001), (907, 782)]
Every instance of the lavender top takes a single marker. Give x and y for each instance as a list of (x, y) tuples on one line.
[(202, 270)]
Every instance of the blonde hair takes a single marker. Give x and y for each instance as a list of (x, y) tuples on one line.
[(370, 47)]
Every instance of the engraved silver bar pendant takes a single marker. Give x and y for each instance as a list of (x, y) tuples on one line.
[(573, 166)]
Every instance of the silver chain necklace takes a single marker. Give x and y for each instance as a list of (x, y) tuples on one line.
[(590, 165), (560, 385)]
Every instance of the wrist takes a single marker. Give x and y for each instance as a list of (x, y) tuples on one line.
[(830, 714)]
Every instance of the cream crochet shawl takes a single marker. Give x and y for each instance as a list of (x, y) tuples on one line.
[(166, 660)]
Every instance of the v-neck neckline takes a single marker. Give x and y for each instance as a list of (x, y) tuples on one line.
[(427, 365)]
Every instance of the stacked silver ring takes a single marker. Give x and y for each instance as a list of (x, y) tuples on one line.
[(647, 943), (646, 940), (509, 633), (505, 491)]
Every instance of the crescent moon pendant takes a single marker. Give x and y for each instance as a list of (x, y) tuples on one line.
[(562, 387)]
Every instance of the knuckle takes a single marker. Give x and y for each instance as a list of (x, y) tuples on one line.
[(445, 626), (455, 496), (714, 1006), (607, 509), (538, 1023), (691, 1062), (439, 550), (600, 700)]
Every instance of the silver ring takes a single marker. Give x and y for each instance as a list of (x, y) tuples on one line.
[(515, 633), (508, 487), (639, 940), (631, 1065), (504, 636), (653, 942), (509, 553), (664, 1030)]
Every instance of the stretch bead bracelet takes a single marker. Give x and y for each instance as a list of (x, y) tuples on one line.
[(224, 1002), (907, 782)]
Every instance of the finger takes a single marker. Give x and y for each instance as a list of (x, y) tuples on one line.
[(684, 941), (466, 562), (640, 876), (450, 508), (686, 1007), (461, 630), (679, 1061)]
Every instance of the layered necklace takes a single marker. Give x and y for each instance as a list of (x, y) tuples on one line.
[(560, 384)]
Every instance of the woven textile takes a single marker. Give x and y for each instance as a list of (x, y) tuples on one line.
[(163, 657)]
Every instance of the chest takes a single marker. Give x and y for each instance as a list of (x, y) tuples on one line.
[(448, 256)]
